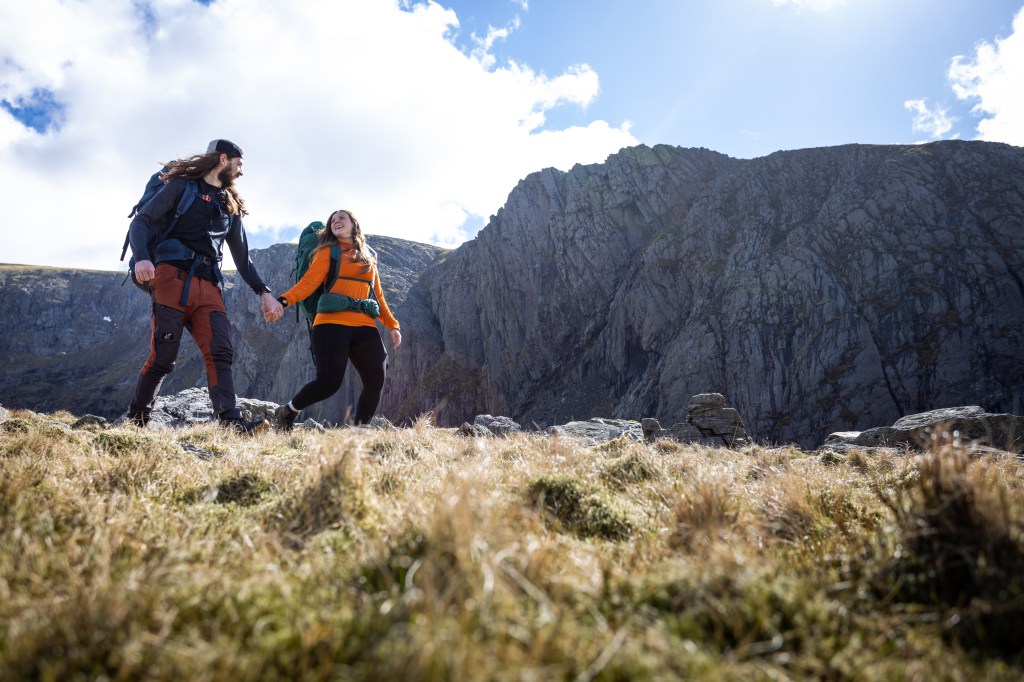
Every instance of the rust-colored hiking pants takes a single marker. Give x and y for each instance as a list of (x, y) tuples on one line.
[(206, 319)]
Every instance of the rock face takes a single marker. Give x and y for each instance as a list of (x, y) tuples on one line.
[(818, 290)]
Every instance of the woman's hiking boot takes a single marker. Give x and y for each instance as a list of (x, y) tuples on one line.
[(240, 426), (285, 417)]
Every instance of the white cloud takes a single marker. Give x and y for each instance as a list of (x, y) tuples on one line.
[(482, 52), (995, 79), (358, 104), (933, 121)]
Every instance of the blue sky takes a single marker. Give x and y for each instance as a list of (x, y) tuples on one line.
[(749, 77), (422, 116)]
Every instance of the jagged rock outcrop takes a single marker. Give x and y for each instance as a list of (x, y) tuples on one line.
[(818, 290), (708, 422)]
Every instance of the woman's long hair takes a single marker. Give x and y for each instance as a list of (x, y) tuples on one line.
[(361, 253), (196, 167)]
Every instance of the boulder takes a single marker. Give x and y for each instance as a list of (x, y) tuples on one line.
[(90, 421), (969, 425), (599, 430), (193, 406), (708, 422), (488, 425), (474, 431)]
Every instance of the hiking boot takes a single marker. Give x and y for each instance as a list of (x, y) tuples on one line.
[(139, 420), (285, 417), (245, 428)]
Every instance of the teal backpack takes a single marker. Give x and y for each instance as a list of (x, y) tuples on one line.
[(303, 257)]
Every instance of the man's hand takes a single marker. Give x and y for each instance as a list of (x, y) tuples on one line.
[(144, 271), (272, 309), (396, 338)]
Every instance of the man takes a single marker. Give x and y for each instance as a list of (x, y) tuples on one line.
[(184, 279)]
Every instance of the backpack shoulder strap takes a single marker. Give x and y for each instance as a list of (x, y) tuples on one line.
[(376, 264), (184, 203), (333, 268)]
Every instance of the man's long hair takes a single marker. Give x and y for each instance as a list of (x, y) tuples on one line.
[(361, 253), (196, 167)]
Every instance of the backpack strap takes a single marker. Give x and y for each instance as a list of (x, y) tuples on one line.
[(362, 281), (333, 268), (184, 203)]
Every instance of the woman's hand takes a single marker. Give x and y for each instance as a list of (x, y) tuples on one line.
[(396, 338), (271, 308)]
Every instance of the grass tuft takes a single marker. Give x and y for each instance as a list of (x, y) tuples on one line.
[(960, 544), (579, 508), (632, 468), (246, 490)]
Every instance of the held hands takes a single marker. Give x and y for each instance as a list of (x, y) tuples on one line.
[(145, 271), (271, 308), (396, 338)]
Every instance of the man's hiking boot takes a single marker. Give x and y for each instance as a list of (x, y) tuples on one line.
[(246, 428), (139, 420), (285, 417)]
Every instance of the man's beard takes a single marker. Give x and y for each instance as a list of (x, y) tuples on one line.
[(226, 177)]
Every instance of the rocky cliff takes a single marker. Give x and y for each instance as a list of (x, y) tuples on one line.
[(819, 290)]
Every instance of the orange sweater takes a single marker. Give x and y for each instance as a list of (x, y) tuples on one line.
[(316, 275)]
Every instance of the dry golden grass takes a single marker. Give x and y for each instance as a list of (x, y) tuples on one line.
[(418, 554)]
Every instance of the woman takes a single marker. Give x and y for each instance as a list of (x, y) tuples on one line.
[(344, 327)]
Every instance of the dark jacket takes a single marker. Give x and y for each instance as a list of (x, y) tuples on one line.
[(204, 228)]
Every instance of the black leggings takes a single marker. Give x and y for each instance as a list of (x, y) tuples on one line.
[(333, 346)]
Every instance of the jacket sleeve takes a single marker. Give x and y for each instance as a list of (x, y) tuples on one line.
[(152, 216), (314, 277), (386, 318), (239, 246)]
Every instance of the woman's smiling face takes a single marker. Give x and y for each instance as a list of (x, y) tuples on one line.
[(341, 225)]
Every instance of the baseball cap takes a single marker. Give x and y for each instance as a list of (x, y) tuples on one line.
[(224, 147)]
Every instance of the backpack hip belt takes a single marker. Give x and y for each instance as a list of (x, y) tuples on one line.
[(175, 250), (331, 302)]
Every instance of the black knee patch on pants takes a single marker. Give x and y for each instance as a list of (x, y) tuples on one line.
[(167, 329), (220, 339)]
